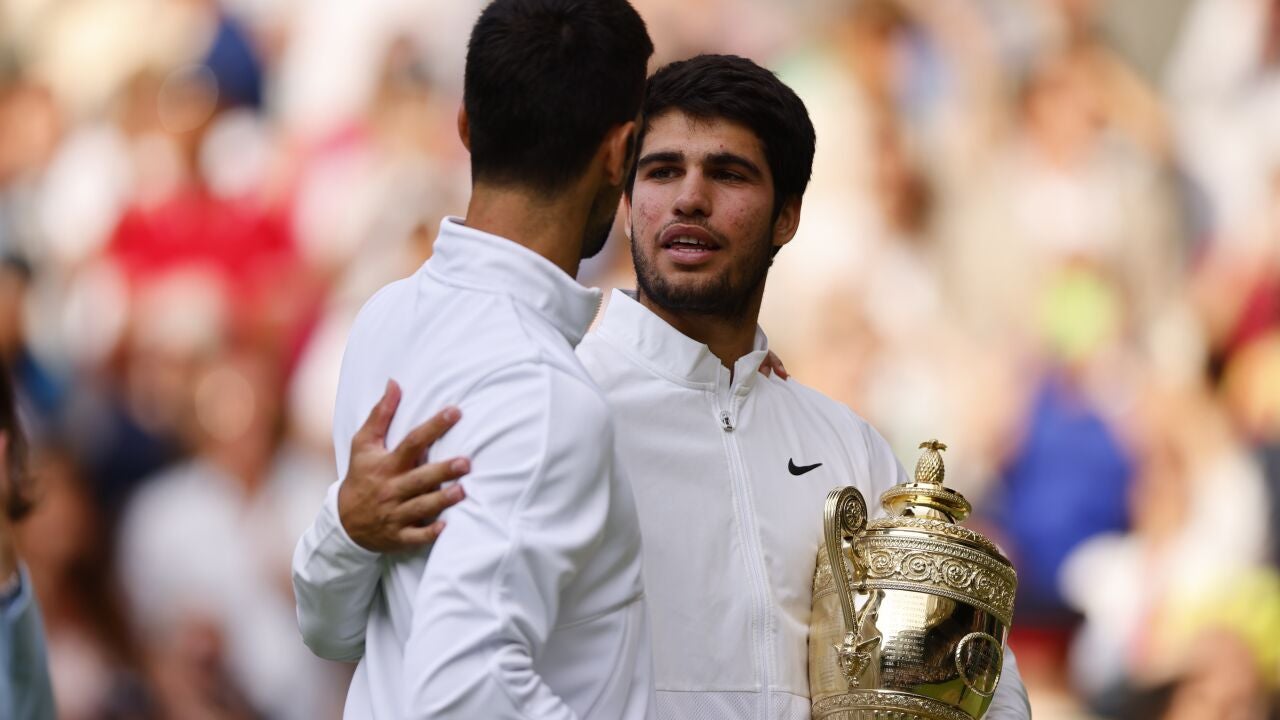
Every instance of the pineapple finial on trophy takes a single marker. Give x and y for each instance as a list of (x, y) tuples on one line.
[(925, 496), (930, 468)]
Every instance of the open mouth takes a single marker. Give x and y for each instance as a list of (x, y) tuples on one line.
[(688, 243)]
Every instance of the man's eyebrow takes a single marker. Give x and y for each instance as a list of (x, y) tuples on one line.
[(727, 158), (663, 156)]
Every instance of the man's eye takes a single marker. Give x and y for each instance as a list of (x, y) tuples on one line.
[(662, 173), (728, 175)]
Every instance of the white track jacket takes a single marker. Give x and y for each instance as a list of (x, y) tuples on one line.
[(530, 605), (730, 476)]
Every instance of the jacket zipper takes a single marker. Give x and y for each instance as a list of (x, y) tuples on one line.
[(743, 506)]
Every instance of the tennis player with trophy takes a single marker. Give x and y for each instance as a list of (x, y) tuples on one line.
[(729, 465)]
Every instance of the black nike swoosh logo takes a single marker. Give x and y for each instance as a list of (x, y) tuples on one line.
[(800, 469)]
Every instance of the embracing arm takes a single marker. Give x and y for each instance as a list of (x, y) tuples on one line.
[(386, 503)]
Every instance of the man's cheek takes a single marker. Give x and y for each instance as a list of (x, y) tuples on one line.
[(643, 223)]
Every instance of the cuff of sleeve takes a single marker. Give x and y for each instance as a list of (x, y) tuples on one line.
[(330, 526)]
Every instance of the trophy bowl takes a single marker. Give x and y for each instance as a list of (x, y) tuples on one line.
[(911, 611)]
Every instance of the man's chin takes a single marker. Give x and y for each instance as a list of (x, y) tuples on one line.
[(687, 294)]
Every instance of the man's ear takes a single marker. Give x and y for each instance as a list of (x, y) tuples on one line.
[(624, 207), (616, 150), (464, 127), (784, 228)]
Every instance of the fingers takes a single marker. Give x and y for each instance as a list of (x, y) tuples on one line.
[(424, 509), (417, 520), (773, 364), (374, 429), (415, 444), (413, 536), (429, 477)]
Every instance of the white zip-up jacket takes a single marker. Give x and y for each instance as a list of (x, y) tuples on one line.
[(730, 478), (731, 532), (530, 606)]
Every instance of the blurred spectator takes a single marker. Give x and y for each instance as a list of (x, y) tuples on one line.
[(92, 653), (1015, 240), (1071, 460), (205, 550), (40, 393), (1064, 188), (1224, 94), (24, 672), (1198, 528)]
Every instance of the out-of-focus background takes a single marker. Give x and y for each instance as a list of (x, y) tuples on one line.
[(1045, 231)]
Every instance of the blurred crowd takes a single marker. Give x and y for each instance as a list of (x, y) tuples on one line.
[(1044, 231)]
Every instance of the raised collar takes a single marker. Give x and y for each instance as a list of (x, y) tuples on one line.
[(478, 260), (634, 328)]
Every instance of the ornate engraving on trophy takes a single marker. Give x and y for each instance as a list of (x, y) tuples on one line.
[(979, 659), (904, 652)]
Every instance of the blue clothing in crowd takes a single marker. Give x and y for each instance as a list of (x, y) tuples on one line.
[(1068, 480), (25, 691)]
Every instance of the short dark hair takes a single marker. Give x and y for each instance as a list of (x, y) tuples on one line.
[(544, 82), (735, 88), (16, 497)]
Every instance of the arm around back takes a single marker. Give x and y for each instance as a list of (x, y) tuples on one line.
[(386, 503)]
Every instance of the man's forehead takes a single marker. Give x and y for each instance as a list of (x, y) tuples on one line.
[(694, 136)]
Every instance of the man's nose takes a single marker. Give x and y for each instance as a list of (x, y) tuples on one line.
[(693, 199)]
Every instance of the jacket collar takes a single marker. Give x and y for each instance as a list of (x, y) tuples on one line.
[(478, 260), (633, 327)]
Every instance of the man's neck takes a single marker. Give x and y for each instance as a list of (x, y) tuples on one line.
[(727, 338), (553, 228)]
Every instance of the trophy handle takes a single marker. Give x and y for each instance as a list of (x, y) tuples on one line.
[(844, 518)]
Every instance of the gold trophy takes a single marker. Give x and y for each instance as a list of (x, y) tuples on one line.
[(910, 612)]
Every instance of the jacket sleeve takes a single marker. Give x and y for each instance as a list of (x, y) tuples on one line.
[(25, 690), (335, 580), (334, 584), (1010, 701), (536, 509), (883, 467)]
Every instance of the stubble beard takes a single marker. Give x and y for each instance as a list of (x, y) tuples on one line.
[(719, 296)]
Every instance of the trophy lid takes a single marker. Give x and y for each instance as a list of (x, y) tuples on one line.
[(925, 496), (925, 505)]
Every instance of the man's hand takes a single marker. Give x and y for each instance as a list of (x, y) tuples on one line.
[(388, 502), (773, 364)]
